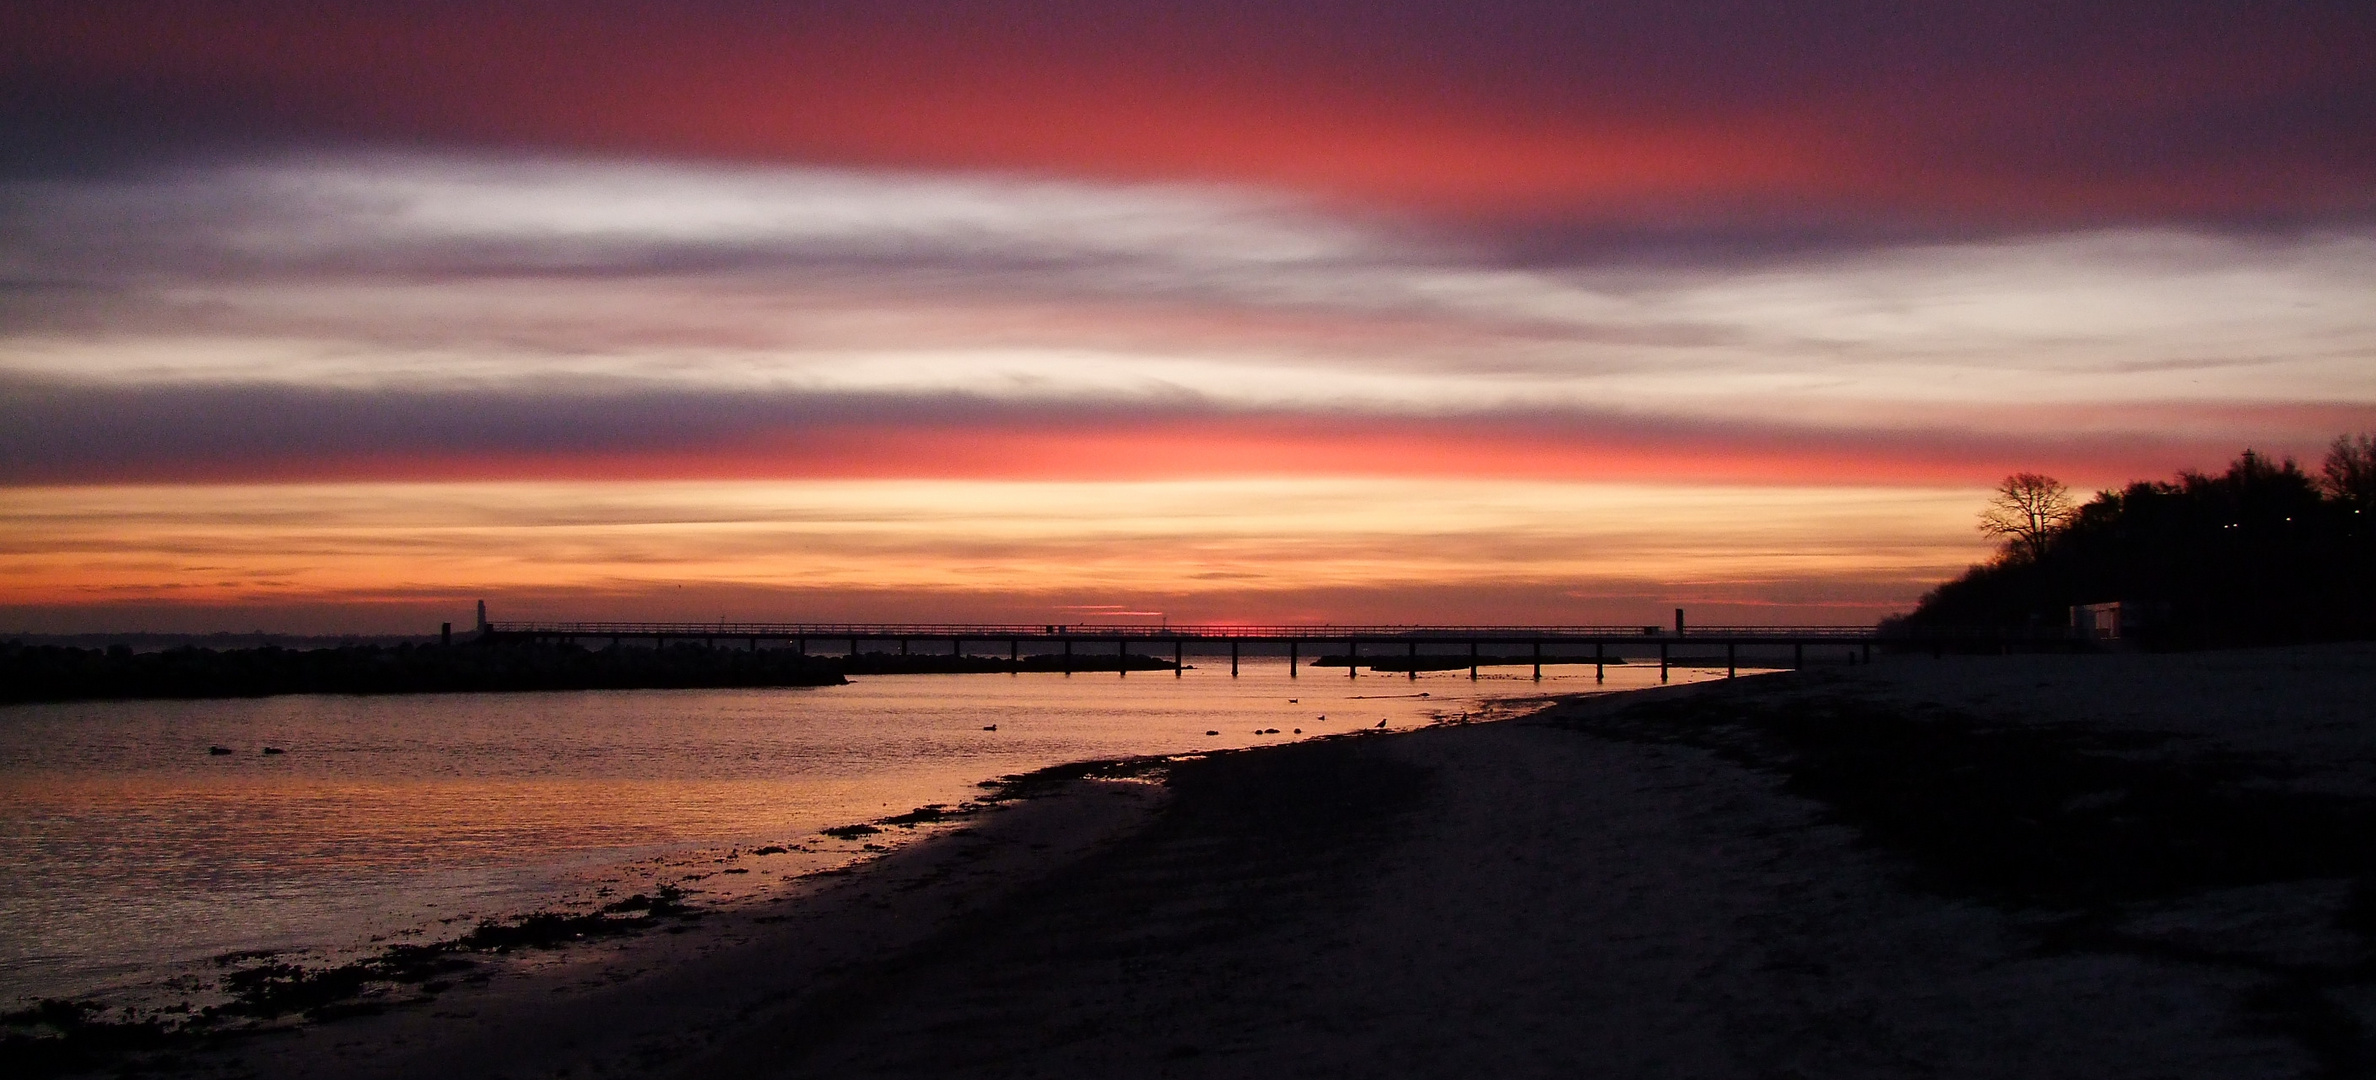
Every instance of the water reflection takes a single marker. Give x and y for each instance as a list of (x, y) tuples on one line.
[(126, 848)]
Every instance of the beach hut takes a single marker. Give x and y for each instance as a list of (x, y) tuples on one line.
[(2098, 622)]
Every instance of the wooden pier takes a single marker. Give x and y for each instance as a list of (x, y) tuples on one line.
[(1485, 646)]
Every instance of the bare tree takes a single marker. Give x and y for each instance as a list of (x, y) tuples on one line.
[(2350, 470), (2025, 510)]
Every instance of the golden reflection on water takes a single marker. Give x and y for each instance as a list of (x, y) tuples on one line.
[(212, 825)]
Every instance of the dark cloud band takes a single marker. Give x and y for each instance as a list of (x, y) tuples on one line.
[(54, 434)]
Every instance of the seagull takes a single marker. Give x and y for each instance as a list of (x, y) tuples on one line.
[(1381, 721)]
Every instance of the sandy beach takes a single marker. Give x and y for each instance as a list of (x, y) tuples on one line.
[(2092, 866)]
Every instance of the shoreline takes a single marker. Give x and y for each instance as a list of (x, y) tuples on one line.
[(583, 868), (1723, 878)]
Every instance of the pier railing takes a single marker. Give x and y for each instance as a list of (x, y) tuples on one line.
[(1608, 644), (1320, 632)]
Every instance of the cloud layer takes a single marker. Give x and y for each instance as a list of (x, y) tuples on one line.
[(2006, 111), (705, 319), (1209, 549)]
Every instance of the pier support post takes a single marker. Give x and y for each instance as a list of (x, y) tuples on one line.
[(1122, 656), (1178, 669), (903, 643), (1662, 661), (1293, 661), (1414, 661), (956, 648), (1233, 649), (1352, 659), (1472, 661), (1538, 651), (1600, 661), (1014, 657), (800, 645), (1731, 661), (1798, 656)]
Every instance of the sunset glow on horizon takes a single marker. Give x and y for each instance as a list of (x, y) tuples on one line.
[(331, 317)]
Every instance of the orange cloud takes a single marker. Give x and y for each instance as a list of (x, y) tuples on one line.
[(1253, 544)]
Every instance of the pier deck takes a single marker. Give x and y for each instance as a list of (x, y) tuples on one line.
[(1608, 643)]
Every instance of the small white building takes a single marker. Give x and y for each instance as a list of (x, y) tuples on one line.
[(2100, 622)]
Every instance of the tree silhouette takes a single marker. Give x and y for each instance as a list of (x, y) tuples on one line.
[(2349, 473), (2026, 509), (2260, 553)]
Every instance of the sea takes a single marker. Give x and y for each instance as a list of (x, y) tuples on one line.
[(136, 856)]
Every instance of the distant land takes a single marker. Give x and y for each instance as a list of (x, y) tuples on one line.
[(145, 641), (40, 672)]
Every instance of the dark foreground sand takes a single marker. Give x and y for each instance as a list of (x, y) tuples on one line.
[(2122, 866)]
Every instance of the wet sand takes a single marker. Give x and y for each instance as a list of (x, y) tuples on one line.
[(1995, 867)]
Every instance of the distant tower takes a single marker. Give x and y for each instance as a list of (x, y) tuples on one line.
[(482, 623)]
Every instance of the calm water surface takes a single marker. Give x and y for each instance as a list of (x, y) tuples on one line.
[(129, 854)]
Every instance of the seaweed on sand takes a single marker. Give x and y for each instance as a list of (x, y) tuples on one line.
[(61, 1037), (1030, 785), (54, 1037)]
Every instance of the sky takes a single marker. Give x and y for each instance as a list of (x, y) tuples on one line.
[(330, 317)]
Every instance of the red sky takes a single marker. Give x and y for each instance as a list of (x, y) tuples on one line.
[(1991, 113), (1580, 255)]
